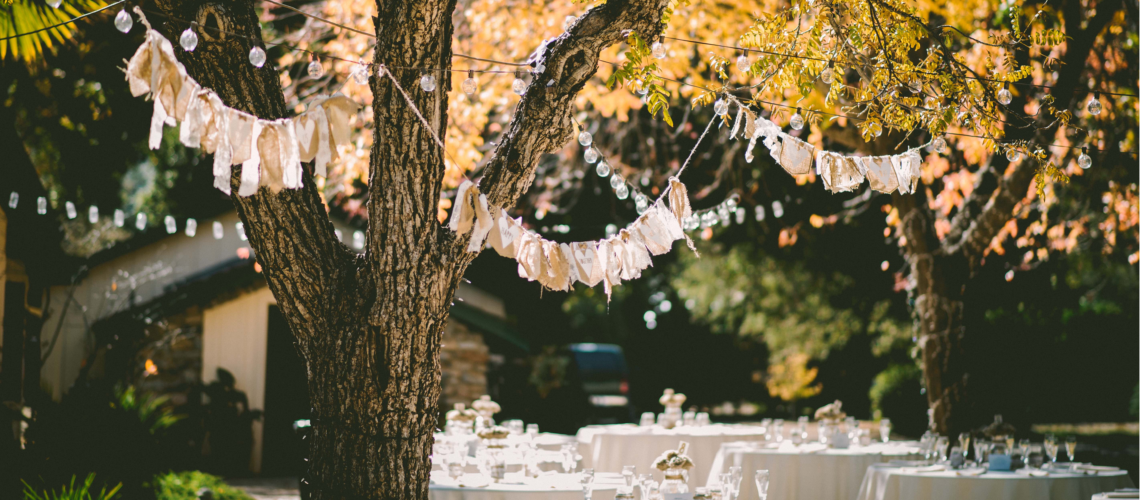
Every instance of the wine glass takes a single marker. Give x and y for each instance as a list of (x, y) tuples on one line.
[(737, 474), (726, 485), (629, 473), (532, 431), (964, 443), (643, 481), (762, 484), (587, 483), (1051, 448), (1023, 447), (647, 419), (941, 446), (1071, 448), (885, 430), (980, 447)]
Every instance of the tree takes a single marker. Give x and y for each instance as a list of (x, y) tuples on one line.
[(369, 327)]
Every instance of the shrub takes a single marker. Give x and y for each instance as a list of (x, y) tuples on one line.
[(71, 492), (186, 485)]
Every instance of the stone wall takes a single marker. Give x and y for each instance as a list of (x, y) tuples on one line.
[(463, 363)]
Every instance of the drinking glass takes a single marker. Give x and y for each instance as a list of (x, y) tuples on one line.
[(587, 483), (964, 443), (1051, 448), (532, 430), (1023, 447), (515, 426), (689, 418), (779, 431), (980, 448), (940, 448), (569, 457), (1071, 448), (703, 418), (647, 419), (628, 473), (737, 474), (823, 431), (726, 491), (762, 484), (643, 481), (885, 430)]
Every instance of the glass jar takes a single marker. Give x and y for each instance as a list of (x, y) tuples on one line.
[(676, 481)]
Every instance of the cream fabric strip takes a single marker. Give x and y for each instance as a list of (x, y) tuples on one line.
[(250, 167), (881, 173), (483, 224)]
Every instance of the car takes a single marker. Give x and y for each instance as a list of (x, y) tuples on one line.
[(603, 375)]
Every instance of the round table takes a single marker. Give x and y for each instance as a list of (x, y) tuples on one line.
[(548, 487), (883, 482), (1126, 493), (809, 471), (607, 448)]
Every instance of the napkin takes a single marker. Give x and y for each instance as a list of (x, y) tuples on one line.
[(918, 470), (1097, 468), (1032, 472), (1122, 494), (970, 472)]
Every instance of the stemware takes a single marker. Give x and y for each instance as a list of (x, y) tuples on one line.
[(726, 490), (643, 481), (703, 419), (941, 448), (1051, 448), (587, 483), (629, 473), (1071, 447), (737, 474), (1023, 447), (964, 443), (885, 430), (762, 483), (532, 431), (980, 451), (647, 419)]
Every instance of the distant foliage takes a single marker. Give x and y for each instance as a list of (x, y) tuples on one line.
[(72, 492), (187, 486)]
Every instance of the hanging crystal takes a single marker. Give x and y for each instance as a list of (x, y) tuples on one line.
[(315, 69), (191, 227), (427, 82), (13, 199), (119, 218), (720, 107), (1094, 106), (603, 169), (189, 39), (93, 214), (585, 139), (140, 221), (1084, 161), (591, 155), (257, 57), (70, 207), (797, 120), (124, 21), (622, 192), (642, 89), (641, 202), (171, 224), (470, 85), (41, 205), (658, 50), (219, 230)]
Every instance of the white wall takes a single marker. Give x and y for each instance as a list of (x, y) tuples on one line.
[(234, 337)]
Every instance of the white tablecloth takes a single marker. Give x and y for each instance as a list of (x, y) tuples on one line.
[(1131, 493), (805, 472), (607, 448), (557, 487), (893, 483)]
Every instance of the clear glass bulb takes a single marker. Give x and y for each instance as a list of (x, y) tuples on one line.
[(55, 3), (1084, 161), (171, 224), (591, 155), (470, 85), (41, 205), (730, 203), (219, 230), (124, 21), (585, 138), (616, 181), (1004, 96), (1012, 155), (937, 144), (427, 82), (743, 63), (827, 76), (70, 208), (603, 169), (569, 21), (119, 217), (13, 200), (876, 130), (140, 222), (622, 192), (519, 86), (360, 74), (641, 88), (658, 50), (257, 57), (93, 214), (930, 102), (188, 40), (191, 227), (315, 69), (720, 107), (642, 203), (1094, 106), (797, 121)]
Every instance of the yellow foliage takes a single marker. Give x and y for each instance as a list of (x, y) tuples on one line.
[(792, 380)]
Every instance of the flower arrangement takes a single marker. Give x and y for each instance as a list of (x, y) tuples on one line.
[(831, 412), (674, 459)]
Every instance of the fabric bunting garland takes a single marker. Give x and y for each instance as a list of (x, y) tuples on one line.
[(269, 152), (557, 266), (840, 173)]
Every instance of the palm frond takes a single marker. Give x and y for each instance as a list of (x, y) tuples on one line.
[(27, 16)]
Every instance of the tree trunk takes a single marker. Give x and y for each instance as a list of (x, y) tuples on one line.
[(369, 327)]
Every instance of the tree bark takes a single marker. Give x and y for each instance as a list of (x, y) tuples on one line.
[(369, 327), (940, 270)]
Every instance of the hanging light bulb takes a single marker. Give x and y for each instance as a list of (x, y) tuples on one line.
[(585, 138), (743, 63), (658, 50), (828, 74), (876, 130), (1012, 155), (219, 230), (13, 199), (171, 224), (124, 21), (93, 214), (616, 181), (119, 218), (41, 205), (760, 212), (519, 85), (603, 169), (257, 57), (140, 221), (70, 208), (930, 102), (622, 192), (642, 203), (1004, 96), (315, 69), (189, 39), (470, 85), (720, 107), (1084, 161), (191, 227), (1094, 104), (730, 203), (55, 3), (360, 74), (797, 121), (591, 155), (938, 144), (568, 22), (427, 82), (642, 89)]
